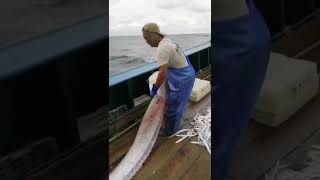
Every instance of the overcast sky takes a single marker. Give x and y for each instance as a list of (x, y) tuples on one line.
[(126, 17)]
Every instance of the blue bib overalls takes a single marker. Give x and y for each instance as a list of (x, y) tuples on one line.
[(179, 83), (240, 55)]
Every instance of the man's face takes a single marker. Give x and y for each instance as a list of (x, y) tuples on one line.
[(150, 38)]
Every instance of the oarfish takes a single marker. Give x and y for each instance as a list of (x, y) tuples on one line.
[(145, 138)]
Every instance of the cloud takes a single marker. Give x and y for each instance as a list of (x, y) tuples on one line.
[(169, 4), (173, 16), (199, 6), (113, 2)]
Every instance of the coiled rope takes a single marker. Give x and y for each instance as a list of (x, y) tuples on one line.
[(201, 128)]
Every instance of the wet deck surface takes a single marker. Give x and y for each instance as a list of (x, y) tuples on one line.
[(168, 160), (264, 146)]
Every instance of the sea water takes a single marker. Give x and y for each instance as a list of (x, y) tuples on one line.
[(128, 52)]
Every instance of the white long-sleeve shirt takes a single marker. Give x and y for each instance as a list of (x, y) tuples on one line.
[(228, 9)]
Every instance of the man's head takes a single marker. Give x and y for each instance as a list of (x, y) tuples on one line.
[(152, 34)]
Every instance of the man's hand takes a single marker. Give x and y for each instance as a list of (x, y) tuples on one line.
[(162, 75), (154, 90)]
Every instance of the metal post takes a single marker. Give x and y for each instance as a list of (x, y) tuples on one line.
[(208, 56), (130, 91), (199, 60)]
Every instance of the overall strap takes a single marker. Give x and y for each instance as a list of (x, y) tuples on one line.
[(179, 48)]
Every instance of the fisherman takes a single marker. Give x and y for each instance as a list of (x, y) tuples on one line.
[(240, 56), (175, 70)]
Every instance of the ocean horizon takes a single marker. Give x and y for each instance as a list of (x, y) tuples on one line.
[(128, 52)]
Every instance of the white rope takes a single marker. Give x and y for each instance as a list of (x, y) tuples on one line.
[(201, 128)]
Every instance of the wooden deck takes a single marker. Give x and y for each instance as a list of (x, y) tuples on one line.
[(168, 160), (264, 146), (297, 159)]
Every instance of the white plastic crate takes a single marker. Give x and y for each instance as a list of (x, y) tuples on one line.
[(289, 84), (200, 89)]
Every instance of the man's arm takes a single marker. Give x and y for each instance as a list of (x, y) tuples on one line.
[(162, 76)]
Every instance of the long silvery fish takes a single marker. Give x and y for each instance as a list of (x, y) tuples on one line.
[(145, 138)]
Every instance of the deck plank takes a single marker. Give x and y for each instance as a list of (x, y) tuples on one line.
[(200, 168), (272, 144), (179, 163), (298, 156), (159, 158)]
